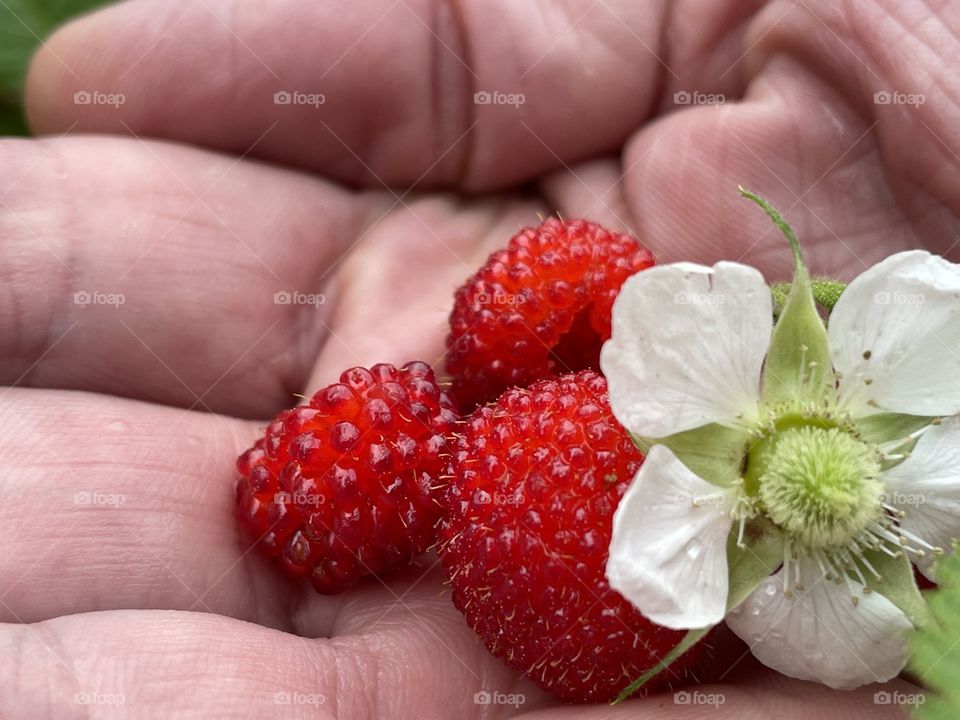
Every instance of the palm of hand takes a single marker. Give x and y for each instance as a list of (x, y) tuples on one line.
[(125, 574)]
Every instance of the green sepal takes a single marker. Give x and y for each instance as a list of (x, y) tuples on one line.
[(898, 584), (749, 566), (713, 452), (797, 368), (882, 428), (689, 640)]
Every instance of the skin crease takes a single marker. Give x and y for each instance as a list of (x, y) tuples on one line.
[(383, 199)]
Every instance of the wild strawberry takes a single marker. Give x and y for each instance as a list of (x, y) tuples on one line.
[(536, 478), (539, 306), (341, 487)]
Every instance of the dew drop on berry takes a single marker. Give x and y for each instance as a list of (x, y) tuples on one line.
[(379, 458), (337, 399), (305, 447), (343, 482), (344, 436), (249, 459), (259, 478), (378, 414), (419, 368), (384, 372), (358, 378), (289, 475), (298, 549)]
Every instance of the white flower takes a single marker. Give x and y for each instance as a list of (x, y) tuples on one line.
[(793, 471)]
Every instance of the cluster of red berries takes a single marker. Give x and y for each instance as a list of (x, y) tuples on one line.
[(517, 494)]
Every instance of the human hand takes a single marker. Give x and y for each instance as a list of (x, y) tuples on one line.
[(125, 575)]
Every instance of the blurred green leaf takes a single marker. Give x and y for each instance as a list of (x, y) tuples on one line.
[(936, 648), (23, 25)]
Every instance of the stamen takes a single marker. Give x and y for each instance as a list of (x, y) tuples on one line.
[(858, 551), (901, 456), (856, 568), (853, 596), (824, 573), (896, 512), (742, 511), (919, 541)]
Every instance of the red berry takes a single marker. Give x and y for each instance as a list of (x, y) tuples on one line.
[(542, 304), (342, 488), (525, 534)]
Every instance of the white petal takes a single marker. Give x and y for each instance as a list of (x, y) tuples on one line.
[(898, 326), (687, 347), (926, 486), (819, 634), (668, 550)]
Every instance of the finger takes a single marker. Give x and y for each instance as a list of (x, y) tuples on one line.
[(152, 271), (184, 291), (130, 507), (396, 304), (806, 144), (174, 664), (133, 507), (385, 90)]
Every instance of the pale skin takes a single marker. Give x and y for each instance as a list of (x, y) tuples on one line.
[(144, 587)]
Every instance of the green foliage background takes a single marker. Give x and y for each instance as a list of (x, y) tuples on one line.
[(936, 649), (23, 26)]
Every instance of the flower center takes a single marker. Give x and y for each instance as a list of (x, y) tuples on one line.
[(819, 484)]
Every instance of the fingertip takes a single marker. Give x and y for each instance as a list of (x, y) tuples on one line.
[(52, 94), (47, 82)]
